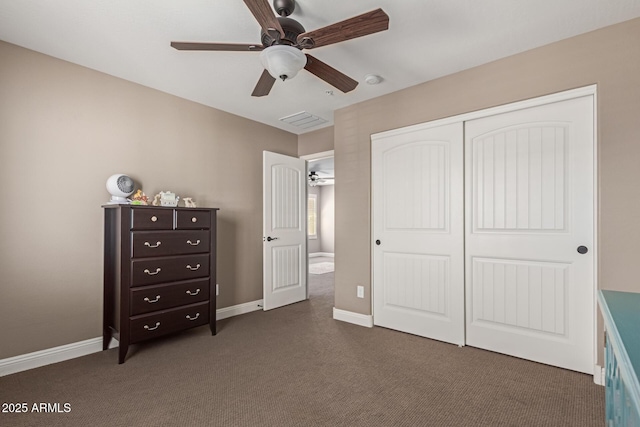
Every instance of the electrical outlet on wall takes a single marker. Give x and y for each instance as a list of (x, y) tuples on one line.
[(360, 291)]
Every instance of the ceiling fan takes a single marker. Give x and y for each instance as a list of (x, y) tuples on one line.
[(284, 38), (314, 179)]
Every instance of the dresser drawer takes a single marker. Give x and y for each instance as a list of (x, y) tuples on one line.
[(168, 269), (164, 322), (193, 219), (162, 243), (151, 219), (160, 297)]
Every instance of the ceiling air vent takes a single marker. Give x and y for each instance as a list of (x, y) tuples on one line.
[(303, 120)]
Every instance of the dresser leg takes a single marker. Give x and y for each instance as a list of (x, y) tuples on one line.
[(212, 326), (106, 339), (122, 353)]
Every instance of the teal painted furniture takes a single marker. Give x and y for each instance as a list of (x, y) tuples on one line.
[(621, 312)]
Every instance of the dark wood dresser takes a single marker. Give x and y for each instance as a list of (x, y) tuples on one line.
[(159, 272)]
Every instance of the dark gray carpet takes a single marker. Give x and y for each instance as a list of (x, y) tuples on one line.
[(296, 366)]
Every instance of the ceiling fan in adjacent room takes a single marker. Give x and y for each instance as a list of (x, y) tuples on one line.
[(284, 38), (314, 179)]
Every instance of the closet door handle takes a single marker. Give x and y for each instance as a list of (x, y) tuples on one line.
[(271, 238), (378, 242), (583, 250)]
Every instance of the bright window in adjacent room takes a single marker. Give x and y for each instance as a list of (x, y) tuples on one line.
[(312, 214)]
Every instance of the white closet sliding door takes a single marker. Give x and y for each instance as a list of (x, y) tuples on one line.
[(518, 278), (530, 233), (418, 232)]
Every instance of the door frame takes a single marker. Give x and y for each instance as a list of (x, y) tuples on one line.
[(590, 90), (309, 157)]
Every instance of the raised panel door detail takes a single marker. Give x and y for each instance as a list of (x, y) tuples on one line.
[(284, 219), (529, 206), (417, 282), (520, 179), (417, 215), (416, 187), (286, 271), (521, 295), (285, 201)]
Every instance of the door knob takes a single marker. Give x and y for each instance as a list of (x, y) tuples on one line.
[(583, 250), (271, 238), (378, 242)]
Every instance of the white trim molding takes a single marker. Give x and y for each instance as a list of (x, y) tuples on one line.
[(365, 320), (49, 356), (318, 156), (321, 254), (52, 355), (598, 375), (236, 310)]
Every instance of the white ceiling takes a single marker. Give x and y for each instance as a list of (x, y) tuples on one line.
[(426, 39)]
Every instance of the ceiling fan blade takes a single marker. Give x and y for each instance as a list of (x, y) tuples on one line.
[(330, 75), (358, 26), (217, 46), (264, 84), (264, 15)]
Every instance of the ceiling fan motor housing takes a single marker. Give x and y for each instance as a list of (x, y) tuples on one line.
[(292, 29), (284, 7)]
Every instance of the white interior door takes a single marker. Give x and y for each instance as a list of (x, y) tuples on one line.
[(284, 230), (529, 207), (418, 258)]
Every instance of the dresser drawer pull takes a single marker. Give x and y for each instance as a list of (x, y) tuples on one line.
[(151, 301), (194, 219), (154, 218), (193, 318), (152, 246), (192, 243), (152, 274), (193, 268), (193, 293), (152, 328)]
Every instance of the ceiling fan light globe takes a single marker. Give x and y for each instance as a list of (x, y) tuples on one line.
[(283, 61)]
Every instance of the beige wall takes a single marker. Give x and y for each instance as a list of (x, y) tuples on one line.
[(64, 130), (318, 141), (609, 57)]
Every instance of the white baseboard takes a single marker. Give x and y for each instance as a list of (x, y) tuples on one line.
[(598, 375), (36, 359), (319, 254), (365, 320), (51, 355), (236, 310)]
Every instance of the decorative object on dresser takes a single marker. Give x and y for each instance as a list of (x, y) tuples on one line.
[(159, 272), (120, 186)]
